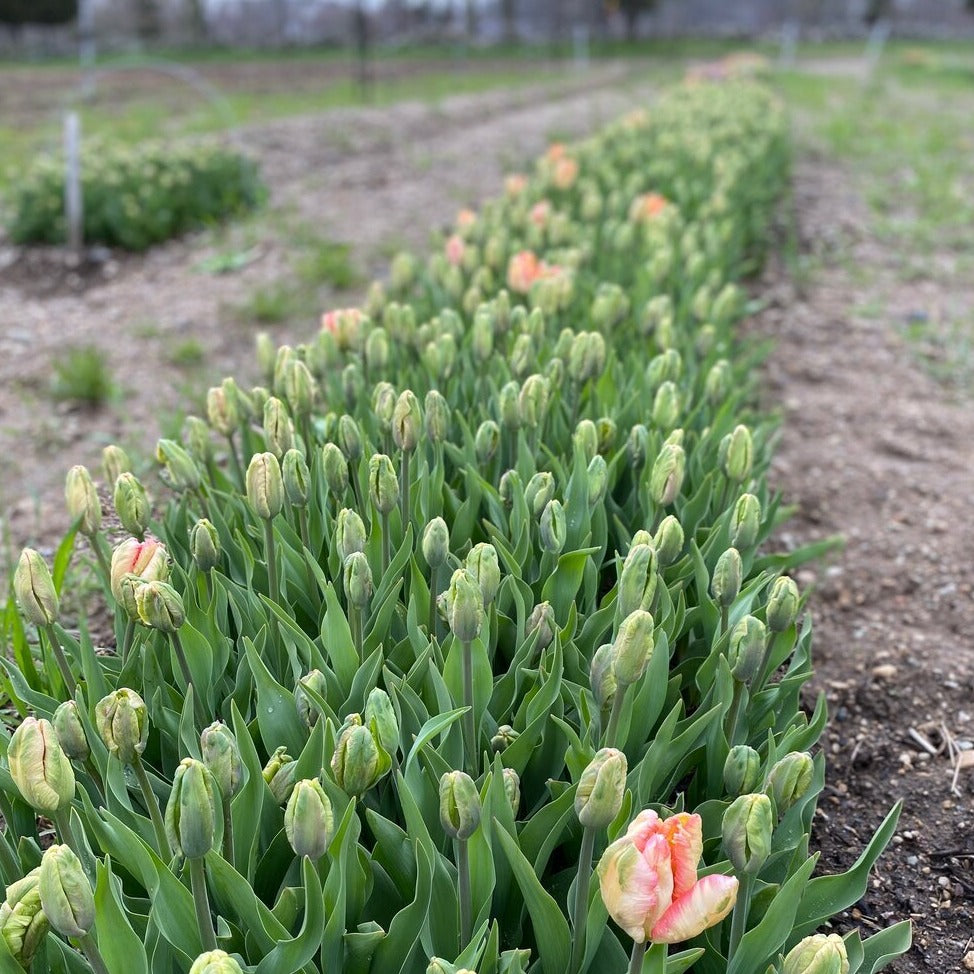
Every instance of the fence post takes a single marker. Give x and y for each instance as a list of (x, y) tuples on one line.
[(73, 203)]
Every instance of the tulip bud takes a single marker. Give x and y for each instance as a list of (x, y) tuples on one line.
[(637, 445), (148, 561), (39, 767), (221, 755), (377, 350), (70, 731), (436, 542), (278, 430), (82, 500), (266, 354), (554, 373), (383, 404), (633, 647), (782, 608), (482, 564), (358, 762), (586, 360), (34, 588), (542, 620), (195, 435), (739, 456), (179, 469), (383, 483), (598, 480), (278, 773), (123, 724), (745, 650), (607, 430), (131, 504), (668, 541), (666, 478), (265, 486), (508, 406), (221, 411), (509, 487), (602, 678), (465, 606), (745, 521), (522, 355), (459, 805), (637, 580), (23, 923), (539, 491), (725, 585), (215, 962), (482, 335), (586, 439), (309, 820), (504, 738), (66, 896), (380, 716), (357, 576), (642, 536), (717, 385), (789, 780), (406, 422), (742, 770), (436, 416), (191, 810), (349, 438), (818, 954), (665, 367), (350, 533), (307, 708), (512, 789), (295, 474), (747, 829), (114, 462), (553, 529), (666, 406), (204, 545), (282, 359), (601, 788), (335, 467), (487, 440), (300, 389), (533, 400), (160, 606)]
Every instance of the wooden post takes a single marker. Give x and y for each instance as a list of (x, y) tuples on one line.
[(73, 203)]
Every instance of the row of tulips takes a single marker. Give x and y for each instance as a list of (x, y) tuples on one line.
[(454, 647)]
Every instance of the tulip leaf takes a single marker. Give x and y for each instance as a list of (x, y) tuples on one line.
[(336, 637), (292, 955), (561, 587), (432, 727), (276, 712), (117, 941), (879, 949)]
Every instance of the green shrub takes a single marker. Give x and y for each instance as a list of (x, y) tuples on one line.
[(83, 376)]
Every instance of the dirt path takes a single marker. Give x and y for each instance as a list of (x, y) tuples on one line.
[(873, 449)]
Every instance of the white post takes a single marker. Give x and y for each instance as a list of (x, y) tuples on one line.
[(789, 42), (878, 37), (73, 204), (580, 46)]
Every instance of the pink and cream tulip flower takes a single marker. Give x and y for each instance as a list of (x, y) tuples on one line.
[(649, 884)]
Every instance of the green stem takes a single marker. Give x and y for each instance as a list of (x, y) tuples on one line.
[(12, 870), (235, 463), (177, 645), (106, 569), (152, 806), (764, 672), (127, 639), (355, 623), (724, 612), (636, 961), (62, 662), (93, 954), (469, 723), (202, 903), (734, 714), (434, 572), (466, 900), (386, 556), (94, 774), (404, 490), (227, 831), (306, 542), (739, 916), (617, 701), (62, 822), (580, 909), (273, 592)]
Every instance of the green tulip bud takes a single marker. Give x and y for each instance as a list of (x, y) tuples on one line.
[(586, 360), (377, 350), (782, 608), (665, 367), (215, 962), (265, 486), (381, 716), (294, 471), (358, 762), (123, 724), (383, 483), (114, 462), (143, 561), (553, 529), (718, 383), (542, 621), (407, 421), (66, 896), (204, 545), (465, 606), (666, 478), (349, 438), (179, 469), (601, 788), (82, 500), (504, 738), (279, 775), (668, 541), (335, 467), (522, 355), (482, 335), (739, 456), (598, 480), (725, 585), (195, 435), (23, 922), (222, 410), (160, 606), (436, 542), (637, 580), (532, 400), (191, 810), (633, 647), (128, 585), (34, 588), (637, 445), (602, 678), (309, 820), (586, 439), (357, 577), (745, 521), (39, 767), (726, 304), (666, 406), (70, 731), (789, 780), (487, 440), (300, 389), (747, 829), (459, 805), (509, 487), (607, 431), (512, 789), (436, 417), (563, 346), (818, 954), (509, 407), (350, 533), (221, 755), (131, 504), (306, 706), (384, 404), (745, 650), (266, 354), (742, 770), (278, 429), (282, 359), (482, 564), (539, 491)]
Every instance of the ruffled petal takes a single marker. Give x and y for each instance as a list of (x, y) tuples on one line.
[(685, 835), (707, 902), (642, 827), (636, 886)]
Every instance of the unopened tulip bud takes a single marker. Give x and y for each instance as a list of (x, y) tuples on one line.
[(666, 478), (725, 585), (637, 445), (349, 438), (482, 335), (819, 954), (160, 606), (380, 716), (191, 810), (602, 678), (539, 491), (436, 416), (383, 404), (70, 731), (554, 373), (309, 821), (542, 621), (668, 541), (295, 474), (82, 500), (278, 430), (789, 780), (533, 400), (718, 383), (34, 588), (66, 895), (586, 360), (215, 962), (23, 923), (204, 545), (123, 724), (509, 487), (265, 486), (745, 521), (747, 829), (522, 355), (459, 805), (179, 470), (509, 407), (601, 788), (637, 580), (504, 738), (350, 533), (745, 650), (278, 773), (586, 439), (147, 560), (358, 762), (114, 462), (742, 770), (131, 504), (221, 411), (607, 430), (665, 367), (782, 608), (266, 354), (666, 406), (383, 483), (465, 606), (282, 359), (335, 468), (553, 528), (598, 480), (512, 789), (633, 647), (307, 708), (39, 767), (739, 456), (377, 350), (258, 399), (436, 542), (407, 421), (487, 440), (221, 755), (195, 435), (300, 389), (357, 577), (483, 565)]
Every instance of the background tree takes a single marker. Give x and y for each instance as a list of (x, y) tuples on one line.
[(16, 13)]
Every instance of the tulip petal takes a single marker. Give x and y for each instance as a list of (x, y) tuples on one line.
[(707, 902), (637, 887), (685, 835), (645, 825)]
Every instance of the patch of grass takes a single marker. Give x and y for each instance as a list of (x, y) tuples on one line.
[(82, 376), (187, 354), (945, 348), (328, 262), (271, 304)]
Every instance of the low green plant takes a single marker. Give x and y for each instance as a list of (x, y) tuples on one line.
[(271, 304), (82, 375), (328, 262)]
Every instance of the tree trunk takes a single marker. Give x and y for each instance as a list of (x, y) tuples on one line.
[(632, 21), (509, 15)]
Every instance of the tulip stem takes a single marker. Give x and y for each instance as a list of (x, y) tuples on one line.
[(636, 961), (739, 916), (127, 638), (100, 557), (469, 724), (202, 902), (404, 490), (434, 572), (152, 806), (466, 900), (62, 662), (177, 645), (618, 700), (386, 557), (355, 624), (306, 542), (91, 951), (227, 832), (272, 590), (235, 463), (724, 611), (580, 909), (734, 713)]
